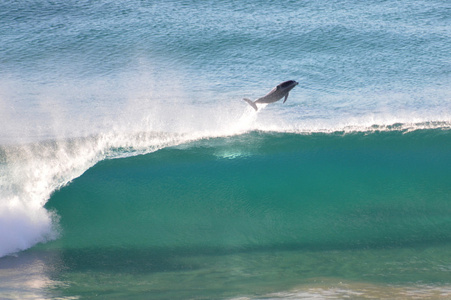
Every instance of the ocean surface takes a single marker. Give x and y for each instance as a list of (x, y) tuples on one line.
[(130, 167)]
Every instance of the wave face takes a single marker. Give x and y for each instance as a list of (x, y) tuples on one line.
[(262, 214), (263, 190)]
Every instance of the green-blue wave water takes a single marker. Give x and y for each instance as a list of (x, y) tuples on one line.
[(130, 167), (259, 215), (266, 190)]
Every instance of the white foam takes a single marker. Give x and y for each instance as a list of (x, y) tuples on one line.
[(31, 172)]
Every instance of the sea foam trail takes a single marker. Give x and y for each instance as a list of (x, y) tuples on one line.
[(29, 175), (31, 172)]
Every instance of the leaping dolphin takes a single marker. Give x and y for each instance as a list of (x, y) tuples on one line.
[(275, 94)]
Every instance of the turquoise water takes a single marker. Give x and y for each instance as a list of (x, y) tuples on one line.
[(266, 190), (130, 168), (258, 215)]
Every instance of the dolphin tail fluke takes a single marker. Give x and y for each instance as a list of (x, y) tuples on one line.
[(251, 103)]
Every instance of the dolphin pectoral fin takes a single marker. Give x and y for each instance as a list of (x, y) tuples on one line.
[(251, 103), (286, 96)]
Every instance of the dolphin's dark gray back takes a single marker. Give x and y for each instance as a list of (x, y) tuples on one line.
[(275, 94)]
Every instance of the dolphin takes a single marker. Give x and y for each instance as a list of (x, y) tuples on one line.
[(275, 94)]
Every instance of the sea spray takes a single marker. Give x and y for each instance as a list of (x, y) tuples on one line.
[(30, 173)]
